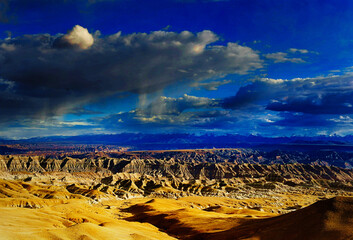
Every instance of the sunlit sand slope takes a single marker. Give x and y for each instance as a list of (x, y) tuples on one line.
[(75, 220)]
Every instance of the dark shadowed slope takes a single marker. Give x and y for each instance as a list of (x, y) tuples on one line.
[(327, 219), (330, 219)]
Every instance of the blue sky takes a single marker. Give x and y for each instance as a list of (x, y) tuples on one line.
[(274, 68)]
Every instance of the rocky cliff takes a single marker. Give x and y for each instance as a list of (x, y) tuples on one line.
[(177, 169), (176, 177)]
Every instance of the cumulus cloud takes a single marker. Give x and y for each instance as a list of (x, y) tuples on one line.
[(78, 37), (49, 77)]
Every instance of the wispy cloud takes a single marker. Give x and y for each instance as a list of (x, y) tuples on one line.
[(296, 50), (210, 86), (281, 57)]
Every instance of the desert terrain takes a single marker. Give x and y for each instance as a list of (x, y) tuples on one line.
[(174, 195)]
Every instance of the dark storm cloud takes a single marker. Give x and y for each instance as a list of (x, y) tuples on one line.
[(49, 75), (249, 95), (321, 95)]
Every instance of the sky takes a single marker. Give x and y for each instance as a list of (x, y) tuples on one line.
[(262, 67)]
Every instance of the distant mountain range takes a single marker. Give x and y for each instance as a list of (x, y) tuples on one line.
[(190, 141)]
